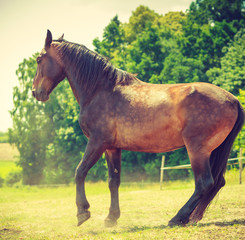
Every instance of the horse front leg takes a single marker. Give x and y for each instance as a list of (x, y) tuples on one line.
[(113, 157), (92, 154)]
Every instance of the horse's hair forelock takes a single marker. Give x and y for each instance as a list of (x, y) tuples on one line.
[(88, 68)]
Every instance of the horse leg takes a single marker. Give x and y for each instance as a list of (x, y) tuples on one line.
[(198, 212), (113, 157), (92, 154), (203, 184)]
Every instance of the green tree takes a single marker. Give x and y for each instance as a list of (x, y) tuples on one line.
[(180, 69), (210, 25), (231, 74), (27, 133), (47, 135), (208, 11), (240, 140), (145, 56), (173, 21), (138, 22), (4, 137), (113, 38)]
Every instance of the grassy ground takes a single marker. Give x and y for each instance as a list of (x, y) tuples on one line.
[(50, 213), (7, 159)]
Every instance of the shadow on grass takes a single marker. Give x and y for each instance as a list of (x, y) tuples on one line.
[(223, 224), (161, 227)]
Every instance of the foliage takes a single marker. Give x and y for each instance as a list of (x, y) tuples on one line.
[(208, 11), (3, 137), (48, 136), (240, 140), (28, 117), (173, 21), (13, 177), (1, 181), (231, 74), (210, 25)]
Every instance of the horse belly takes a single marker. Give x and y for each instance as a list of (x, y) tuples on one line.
[(158, 135)]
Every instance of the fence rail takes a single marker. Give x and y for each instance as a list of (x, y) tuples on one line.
[(186, 166)]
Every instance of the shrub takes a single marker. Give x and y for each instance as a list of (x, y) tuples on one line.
[(1, 181), (13, 177)]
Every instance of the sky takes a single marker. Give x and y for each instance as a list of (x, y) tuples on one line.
[(24, 24)]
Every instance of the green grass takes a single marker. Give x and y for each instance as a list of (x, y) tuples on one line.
[(7, 159), (6, 167), (50, 213)]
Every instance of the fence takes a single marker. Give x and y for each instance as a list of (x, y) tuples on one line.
[(230, 162)]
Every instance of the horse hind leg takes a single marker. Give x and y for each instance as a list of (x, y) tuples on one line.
[(198, 212), (113, 157), (203, 184)]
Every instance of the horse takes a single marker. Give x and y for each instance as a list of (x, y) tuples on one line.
[(118, 111)]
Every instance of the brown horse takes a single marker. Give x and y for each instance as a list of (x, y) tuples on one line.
[(118, 111)]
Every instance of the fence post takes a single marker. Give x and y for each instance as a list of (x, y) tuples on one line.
[(161, 176), (240, 165)]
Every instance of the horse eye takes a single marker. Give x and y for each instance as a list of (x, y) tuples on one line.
[(38, 60)]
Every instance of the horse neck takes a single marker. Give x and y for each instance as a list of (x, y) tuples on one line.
[(90, 73)]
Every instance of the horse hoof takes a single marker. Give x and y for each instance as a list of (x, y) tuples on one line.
[(176, 223), (110, 223), (82, 217)]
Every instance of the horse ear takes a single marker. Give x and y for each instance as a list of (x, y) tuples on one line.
[(48, 39), (61, 38)]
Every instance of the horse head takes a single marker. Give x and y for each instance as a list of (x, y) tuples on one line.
[(50, 71)]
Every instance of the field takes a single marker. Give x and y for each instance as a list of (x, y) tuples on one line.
[(7, 158), (50, 212)]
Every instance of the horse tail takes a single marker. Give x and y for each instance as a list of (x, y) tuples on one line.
[(218, 162)]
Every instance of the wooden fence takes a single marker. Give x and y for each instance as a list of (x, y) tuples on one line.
[(230, 162)]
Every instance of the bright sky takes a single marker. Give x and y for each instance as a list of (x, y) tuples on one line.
[(24, 23)]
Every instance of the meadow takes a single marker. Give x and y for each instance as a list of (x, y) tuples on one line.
[(7, 159), (49, 212)]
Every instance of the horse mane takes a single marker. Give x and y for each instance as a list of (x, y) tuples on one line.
[(89, 69)]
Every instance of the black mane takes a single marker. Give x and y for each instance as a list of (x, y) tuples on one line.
[(89, 69)]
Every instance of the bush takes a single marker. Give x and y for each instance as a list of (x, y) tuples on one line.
[(13, 177), (1, 181)]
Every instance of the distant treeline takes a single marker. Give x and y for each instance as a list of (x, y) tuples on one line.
[(3, 137), (206, 43)]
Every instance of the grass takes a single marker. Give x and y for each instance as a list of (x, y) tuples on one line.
[(8, 156), (6, 167), (50, 213)]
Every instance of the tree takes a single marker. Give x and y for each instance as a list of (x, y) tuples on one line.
[(145, 56), (173, 21), (113, 38), (231, 74), (27, 133), (138, 22), (210, 25), (180, 69), (47, 135), (208, 11), (240, 140)]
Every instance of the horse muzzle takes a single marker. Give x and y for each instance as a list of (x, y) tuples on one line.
[(40, 94)]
